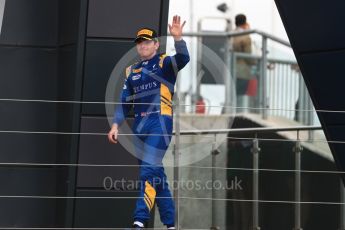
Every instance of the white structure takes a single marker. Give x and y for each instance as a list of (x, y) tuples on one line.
[(2, 8)]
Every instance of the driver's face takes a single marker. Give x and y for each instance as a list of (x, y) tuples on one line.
[(147, 48)]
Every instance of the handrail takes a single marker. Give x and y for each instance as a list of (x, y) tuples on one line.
[(249, 130), (258, 57), (237, 33)]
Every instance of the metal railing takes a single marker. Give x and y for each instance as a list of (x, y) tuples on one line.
[(280, 84), (285, 91), (214, 153), (297, 150), (269, 82)]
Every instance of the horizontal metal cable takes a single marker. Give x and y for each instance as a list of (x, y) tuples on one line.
[(286, 140), (181, 198), (183, 132), (185, 105), (190, 135), (52, 228), (76, 133), (166, 166)]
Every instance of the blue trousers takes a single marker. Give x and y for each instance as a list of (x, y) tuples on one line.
[(150, 150)]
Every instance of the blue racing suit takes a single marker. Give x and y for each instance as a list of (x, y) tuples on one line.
[(151, 84)]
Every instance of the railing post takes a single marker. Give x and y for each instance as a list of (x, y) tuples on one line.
[(263, 93), (305, 107), (298, 150), (342, 206), (301, 107), (255, 150), (176, 152), (234, 78), (214, 153), (227, 77), (199, 68), (310, 118)]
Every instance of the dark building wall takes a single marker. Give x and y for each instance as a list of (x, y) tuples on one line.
[(111, 29), (71, 39), (63, 50), (318, 43), (28, 68)]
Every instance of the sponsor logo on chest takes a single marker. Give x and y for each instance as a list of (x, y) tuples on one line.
[(136, 77), (145, 87)]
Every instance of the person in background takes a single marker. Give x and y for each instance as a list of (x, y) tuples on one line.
[(242, 44), (200, 106)]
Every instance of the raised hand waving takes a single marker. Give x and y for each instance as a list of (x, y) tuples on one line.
[(176, 28)]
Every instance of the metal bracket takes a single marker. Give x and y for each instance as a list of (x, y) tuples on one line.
[(215, 228), (215, 152), (256, 148)]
